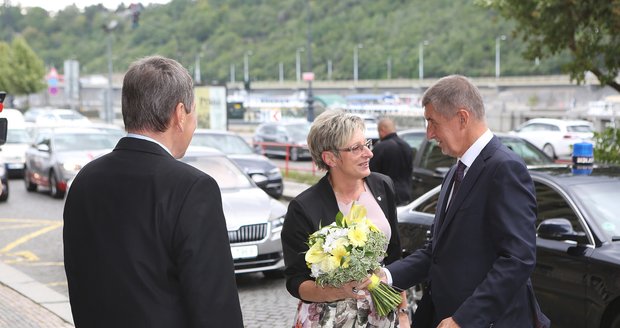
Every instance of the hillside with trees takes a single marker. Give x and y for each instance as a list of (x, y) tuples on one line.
[(461, 37)]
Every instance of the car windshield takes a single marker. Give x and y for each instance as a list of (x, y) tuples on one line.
[(84, 141), (298, 131), (530, 154), (225, 172), (17, 136), (602, 205), (228, 144)]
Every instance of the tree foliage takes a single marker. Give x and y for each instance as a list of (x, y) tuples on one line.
[(21, 71), (588, 30), (607, 146), (461, 37)]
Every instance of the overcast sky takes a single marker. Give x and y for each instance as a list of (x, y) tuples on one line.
[(55, 5)]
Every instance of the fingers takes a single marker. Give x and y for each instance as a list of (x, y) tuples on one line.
[(355, 290)]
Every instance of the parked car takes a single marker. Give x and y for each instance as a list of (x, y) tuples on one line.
[(413, 137), (254, 220), (4, 182), (555, 137), (430, 165), (577, 245), (278, 138), (242, 153), (13, 152), (59, 117), (57, 154)]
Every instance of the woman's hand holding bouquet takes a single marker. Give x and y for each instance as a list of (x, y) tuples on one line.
[(346, 251)]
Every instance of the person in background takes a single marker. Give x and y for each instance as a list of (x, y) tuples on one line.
[(145, 239), (338, 146), (394, 158), (483, 240)]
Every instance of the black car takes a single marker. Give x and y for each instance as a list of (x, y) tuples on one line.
[(430, 165), (238, 150), (283, 139), (577, 274)]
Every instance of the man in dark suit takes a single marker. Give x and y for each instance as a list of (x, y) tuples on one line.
[(393, 157), (483, 246), (145, 239)]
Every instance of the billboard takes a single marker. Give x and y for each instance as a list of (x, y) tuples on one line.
[(211, 107)]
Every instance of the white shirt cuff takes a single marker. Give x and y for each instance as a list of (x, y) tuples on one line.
[(388, 276)]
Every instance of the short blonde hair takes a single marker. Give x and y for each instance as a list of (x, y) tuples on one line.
[(330, 131)]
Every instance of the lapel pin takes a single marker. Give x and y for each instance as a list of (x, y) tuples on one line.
[(379, 198)]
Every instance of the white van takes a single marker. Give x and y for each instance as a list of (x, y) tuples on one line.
[(13, 152)]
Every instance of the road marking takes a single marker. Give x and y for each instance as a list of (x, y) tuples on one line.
[(30, 236)]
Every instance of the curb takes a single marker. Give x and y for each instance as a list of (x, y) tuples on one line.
[(50, 299)]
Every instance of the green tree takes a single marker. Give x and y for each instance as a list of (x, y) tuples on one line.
[(28, 71), (5, 66), (607, 146), (588, 30)]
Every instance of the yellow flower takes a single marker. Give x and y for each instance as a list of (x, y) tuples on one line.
[(357, 214), (357, 237), (329, 264), (315, 253), (340, 252)]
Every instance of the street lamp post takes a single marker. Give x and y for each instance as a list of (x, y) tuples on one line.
[(298, 63), (108, 101), (232, 73), (355, 55), (246, 66), (389, 68), (421, 59), (497, 52)]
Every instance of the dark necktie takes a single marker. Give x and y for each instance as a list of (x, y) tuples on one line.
[(458, 177)]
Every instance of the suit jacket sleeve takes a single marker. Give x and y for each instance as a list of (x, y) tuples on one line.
[(202, 252)]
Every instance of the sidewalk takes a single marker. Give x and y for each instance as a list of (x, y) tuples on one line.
[(25, 302)]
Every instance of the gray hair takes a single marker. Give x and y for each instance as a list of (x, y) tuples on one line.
[(152, 88), (330, 131), (452, 92)]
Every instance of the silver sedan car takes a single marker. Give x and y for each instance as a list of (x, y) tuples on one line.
[(253, 218), (57, 154)]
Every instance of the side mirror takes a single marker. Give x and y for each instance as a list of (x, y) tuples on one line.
[(560, 229), (3, 130), (43, 147), (260, 180)]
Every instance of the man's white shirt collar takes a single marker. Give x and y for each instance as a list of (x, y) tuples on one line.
[(470, 155), (139, 136)]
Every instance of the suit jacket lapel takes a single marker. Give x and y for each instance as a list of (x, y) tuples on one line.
[(378, 192), (467, 184)]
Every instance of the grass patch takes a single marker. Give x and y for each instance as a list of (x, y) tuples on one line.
[(303, 177)]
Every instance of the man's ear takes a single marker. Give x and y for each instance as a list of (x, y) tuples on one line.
[(463, 116), (179, 116)]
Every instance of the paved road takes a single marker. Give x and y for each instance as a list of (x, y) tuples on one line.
[(31, 242)]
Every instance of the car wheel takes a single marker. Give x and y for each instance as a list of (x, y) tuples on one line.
[(548, 149), (294, 154), (54, 191), (274, 274), (5, 195), (30, 186)]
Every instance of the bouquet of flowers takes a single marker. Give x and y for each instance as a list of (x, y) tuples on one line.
[(348, 250)]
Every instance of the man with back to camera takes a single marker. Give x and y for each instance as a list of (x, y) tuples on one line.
[(483, 244), (393, 157), (145, 239)]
